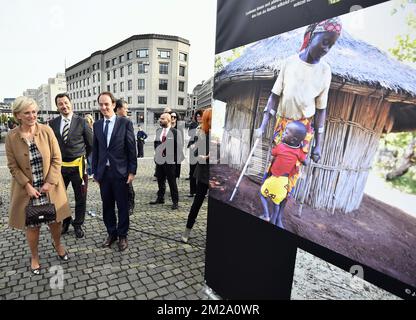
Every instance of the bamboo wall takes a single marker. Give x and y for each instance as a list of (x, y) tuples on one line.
[(236, 139), (352, 132), (353, 128)]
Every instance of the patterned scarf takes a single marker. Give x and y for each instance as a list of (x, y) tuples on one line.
[(329, 25)]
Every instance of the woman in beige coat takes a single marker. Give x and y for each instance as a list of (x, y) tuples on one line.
[(32, 146)]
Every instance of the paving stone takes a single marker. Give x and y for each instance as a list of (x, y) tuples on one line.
[(148, 269)]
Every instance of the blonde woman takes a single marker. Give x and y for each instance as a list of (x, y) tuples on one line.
[(34, 161)]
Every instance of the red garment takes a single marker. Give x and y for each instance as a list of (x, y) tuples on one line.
[(285, 159)]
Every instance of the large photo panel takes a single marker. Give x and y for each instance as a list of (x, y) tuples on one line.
[(316, 131)]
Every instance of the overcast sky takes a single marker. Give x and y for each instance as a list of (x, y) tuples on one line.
[(38, 36)]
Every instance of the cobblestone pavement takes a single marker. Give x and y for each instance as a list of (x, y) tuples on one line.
[(156, 265)]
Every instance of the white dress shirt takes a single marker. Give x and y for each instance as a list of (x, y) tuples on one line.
[(110, 127), (166, 133), (61, 128)]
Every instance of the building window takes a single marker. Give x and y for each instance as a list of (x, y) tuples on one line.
[(85, 93), (83, 72), (129, 55), (183, 56), (140, 84), (89, 104), (181, 86), (121, 59), (94, 91), (140, 99), (182, 71), (98, 65), (180, 101), (93, 78), (121, 86), (108, 75), (99, 90), (143, 67), (129, 69), (88, 81), (163, 68), (163, 54), (88, 70), (163, 84), (143, 53), (108, 88), (114, 87), (94, 67), (163, 100), (89, 93), (129, 101), (122, 72), (95, 103), (114, 73), (114, 61), (98, 77), (83, 82), (129, 85)]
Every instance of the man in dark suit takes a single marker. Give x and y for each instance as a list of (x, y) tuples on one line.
[(75, 141), (122, 110), (167, 143), (114, 166)]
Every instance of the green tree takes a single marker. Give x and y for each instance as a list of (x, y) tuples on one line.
[(221, 60), (405, 50)]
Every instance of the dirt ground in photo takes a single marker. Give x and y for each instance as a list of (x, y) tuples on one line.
[(377, 235)]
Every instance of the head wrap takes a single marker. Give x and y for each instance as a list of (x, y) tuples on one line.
[(329, 25)]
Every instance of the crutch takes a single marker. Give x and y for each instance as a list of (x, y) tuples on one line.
[(245, 167)]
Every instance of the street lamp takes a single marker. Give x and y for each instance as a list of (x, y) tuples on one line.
[(146, 63)]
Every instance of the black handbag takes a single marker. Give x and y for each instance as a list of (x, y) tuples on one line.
[(40, 214)]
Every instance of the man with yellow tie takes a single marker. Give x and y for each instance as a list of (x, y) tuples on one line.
[(75, 141)]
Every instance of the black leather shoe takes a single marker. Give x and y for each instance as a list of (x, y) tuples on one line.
[(64, 257), (110, 240), (157, 201), (174, 206), (65, 227), (122, 244), (79, 233), (35, 271)]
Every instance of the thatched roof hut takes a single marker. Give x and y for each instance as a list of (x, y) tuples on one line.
[(371, 93)]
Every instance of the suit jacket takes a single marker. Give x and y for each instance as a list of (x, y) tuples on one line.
[(121, 152), (79, 141), (17, 152), (172, 147)]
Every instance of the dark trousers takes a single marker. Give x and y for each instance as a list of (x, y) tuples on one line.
[(178, 170), (140, 152), (131, 196), (192, 180), (167, 172), (115, 190), (71, 175), (201, 191)]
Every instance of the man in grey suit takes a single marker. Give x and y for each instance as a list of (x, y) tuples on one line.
[(75, 141)]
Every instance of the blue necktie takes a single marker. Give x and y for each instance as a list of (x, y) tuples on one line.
[(106, 131)]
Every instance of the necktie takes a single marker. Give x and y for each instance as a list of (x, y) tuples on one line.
[(163, 140), (65, 130), (106, 131), (164, 135)]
